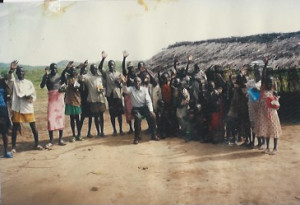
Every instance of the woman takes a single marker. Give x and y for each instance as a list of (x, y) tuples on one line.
[(4, 119)]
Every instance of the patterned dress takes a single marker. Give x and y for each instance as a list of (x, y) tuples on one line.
[(268, 124)]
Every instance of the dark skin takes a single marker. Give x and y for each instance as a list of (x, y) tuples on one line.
[(130, 75), (111, 68), (53, 81), (83, 71), (269, 85), (97, 120), (73, 118), (139, 113), (144, 71), (4, 126), (16, 126), (137, 85)]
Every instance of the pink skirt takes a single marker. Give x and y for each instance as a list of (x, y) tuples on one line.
[(56, 110)]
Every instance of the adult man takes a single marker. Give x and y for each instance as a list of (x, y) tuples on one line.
[(113, 92), (22, 104), (95, 99), (143, 72), (142, 108), (56, 105)]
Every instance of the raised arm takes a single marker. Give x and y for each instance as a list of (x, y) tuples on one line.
[(190, 58), (264, 72), (160, 81), (13, 66), (45, 78), (124, 71), (100, 67), (175, 63), (63, 77)]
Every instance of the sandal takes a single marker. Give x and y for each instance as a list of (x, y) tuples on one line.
[(273, 152), (61, 143), (38, 147), (89, 136), (49, 146), (72, 139), (8, 155), (13, 150), (136, 141), (79, 138)]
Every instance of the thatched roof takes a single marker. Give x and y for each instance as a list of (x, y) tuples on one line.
[(282, 48)]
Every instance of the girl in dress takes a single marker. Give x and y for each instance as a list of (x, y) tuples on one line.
[(268, 124)]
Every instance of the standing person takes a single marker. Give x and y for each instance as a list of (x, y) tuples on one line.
[(4, 117), (130, 75), (183, 100), (83, 96), (143, 71), (154, 91), (165, 107), (95, 99), (113, 87), (22, 104), (254, 85), (73, 103), (215, 110), (243, 113), (56, 105), (268, 124), (142, 108)]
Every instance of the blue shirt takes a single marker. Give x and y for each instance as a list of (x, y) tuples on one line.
[(2, 101)]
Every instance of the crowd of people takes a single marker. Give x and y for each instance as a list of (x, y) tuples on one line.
[(196, 104)]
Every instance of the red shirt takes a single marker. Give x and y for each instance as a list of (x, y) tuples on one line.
[(166, 93)]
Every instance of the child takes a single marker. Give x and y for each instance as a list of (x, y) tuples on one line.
[(268, 124), (73, 103)]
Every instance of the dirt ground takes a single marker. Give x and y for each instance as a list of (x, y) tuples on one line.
[(112, 170)]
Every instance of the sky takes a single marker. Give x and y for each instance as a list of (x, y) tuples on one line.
[(39, 33)]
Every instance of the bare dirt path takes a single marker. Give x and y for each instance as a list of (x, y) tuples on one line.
[(112, 170)]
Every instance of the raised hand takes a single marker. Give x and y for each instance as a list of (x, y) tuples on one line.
[(70, 64), (190, 58), (265, 60), (14, 65), (125, 53), (86, 62), (104, 54), (176, 58), (47, 70)]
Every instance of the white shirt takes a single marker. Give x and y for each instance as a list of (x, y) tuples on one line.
[(139, 98), (22, 88)]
